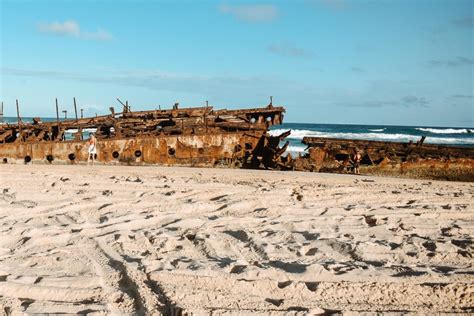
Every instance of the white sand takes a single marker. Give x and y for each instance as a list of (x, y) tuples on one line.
[(158, 240)]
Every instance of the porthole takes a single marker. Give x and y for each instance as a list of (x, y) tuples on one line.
[(115, 154), (5, 160), (50, 158), (171, 151), (138, 153), (27, 159), (72, 157)]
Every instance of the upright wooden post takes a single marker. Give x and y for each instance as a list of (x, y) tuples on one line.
[(57, 113), (1, 113), (18, 112), (57, 121), (75, 108), (82, 113), (19, 118)]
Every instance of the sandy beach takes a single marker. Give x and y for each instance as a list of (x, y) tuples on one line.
[(156, 240)]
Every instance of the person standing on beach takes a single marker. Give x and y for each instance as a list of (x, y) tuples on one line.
[(92, 150), (356, 159)]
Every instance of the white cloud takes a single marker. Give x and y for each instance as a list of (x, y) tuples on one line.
[(251, 13), (71, 28), (67, 28)]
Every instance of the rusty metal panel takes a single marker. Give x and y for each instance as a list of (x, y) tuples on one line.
[(415, 160)]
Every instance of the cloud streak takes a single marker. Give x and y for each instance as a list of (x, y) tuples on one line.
[(455, 62), (331, 4), (462, 96), (288, 50), (357, 69), (467, 22), (408, 101), (71, 28), (216, 86), (251, 13), (411, 100)]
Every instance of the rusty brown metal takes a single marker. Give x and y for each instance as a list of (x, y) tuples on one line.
[(415, 160), (199, 136)]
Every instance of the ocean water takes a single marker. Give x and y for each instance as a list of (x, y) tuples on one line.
[(454, 136)]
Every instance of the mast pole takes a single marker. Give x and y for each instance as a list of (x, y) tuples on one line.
[(75, 108), (18, 118)]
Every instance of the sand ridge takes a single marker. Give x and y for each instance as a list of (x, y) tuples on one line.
[(153, 240)]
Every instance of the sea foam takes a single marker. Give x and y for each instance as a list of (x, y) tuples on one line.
[(443, 130), (300, 133)]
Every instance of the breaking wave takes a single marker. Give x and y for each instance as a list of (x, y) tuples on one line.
[(377, 130), (296, 149), (298, 134), (443, 130)]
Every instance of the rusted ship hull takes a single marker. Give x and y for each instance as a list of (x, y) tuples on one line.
[(186, 150), (184, 137), (414, 160)]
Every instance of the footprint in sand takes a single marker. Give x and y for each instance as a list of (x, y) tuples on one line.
[(238, 234), (312, 286), (370, 220), (449, 231), (297, 195), (311, 252), (237, 269), (25, 203), (218, 198), (462, 243), (429, 245), (104, 206), (282, 285), (137, 180), (276, 302), (309, 236)]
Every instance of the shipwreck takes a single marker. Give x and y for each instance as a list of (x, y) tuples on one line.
[(412, 159), (199, 136), (206, 137)]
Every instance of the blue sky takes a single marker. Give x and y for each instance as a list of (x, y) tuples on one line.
[(406, 62)]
